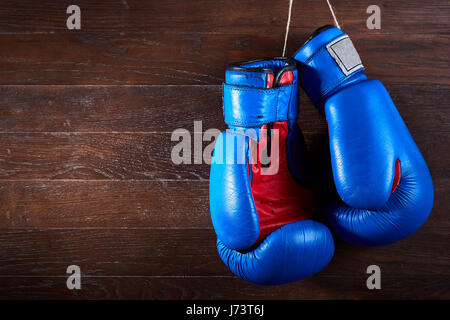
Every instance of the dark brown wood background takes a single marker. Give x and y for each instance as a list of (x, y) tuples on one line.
[(85, 123)]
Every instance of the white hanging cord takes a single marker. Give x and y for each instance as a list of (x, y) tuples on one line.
[(334, 16), (287, 27)]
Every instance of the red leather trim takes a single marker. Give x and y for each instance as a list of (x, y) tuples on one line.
[(278, 198), (286, 78), (397, 176), (269, 81)]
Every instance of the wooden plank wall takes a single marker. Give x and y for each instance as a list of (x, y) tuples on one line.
[(85, 140)]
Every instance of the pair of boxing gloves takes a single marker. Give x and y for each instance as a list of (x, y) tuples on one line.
[(261, 198)]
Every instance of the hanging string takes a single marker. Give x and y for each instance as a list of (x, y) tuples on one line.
[(334, 16), (287, 27)]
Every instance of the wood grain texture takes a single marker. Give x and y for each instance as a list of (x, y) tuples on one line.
[(191, 42), (111, 252), (95, 156), (25, 16), (85, 123), (147, 108), (132, 16), (84, 58), (399, 16), (318, 287), (143, 156), (114, 108), (164, 257), (108, 204), (133, 204)]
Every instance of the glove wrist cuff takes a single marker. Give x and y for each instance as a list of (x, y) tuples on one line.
[(253, 107), (260, 91), (329, 61)]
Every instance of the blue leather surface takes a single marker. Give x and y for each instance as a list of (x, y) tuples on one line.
[(320, 76), (246, 78), (367, 137), (247, 103), (233, 211), (294, 251), (253, 107)]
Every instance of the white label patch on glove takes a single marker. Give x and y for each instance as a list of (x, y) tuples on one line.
[(344, 53)]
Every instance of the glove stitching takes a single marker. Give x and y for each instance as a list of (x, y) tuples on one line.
[(254, 123), (270, 91)]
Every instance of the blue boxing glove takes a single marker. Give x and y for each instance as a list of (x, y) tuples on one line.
[(378, 170), (260, 196)]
